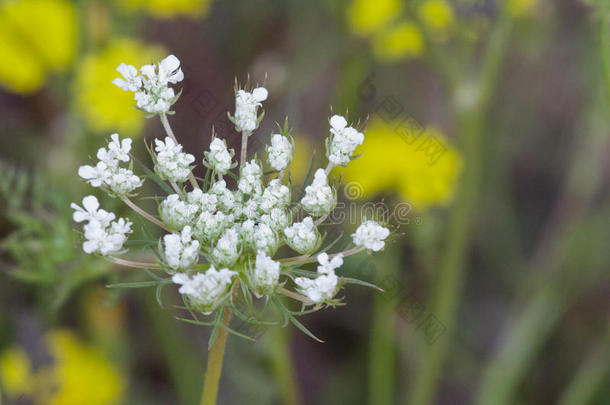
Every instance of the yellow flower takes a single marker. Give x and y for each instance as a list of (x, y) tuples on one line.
[(367, 16), (35, 36), (437, 16), (518, 8), (423, 168), (104, 106), (79, 374), (15, 372), (402, 40), (168, 8)]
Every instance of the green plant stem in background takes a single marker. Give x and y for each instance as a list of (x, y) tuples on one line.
[(281, 365), (471, 103), (590, 376), (579, 266), (215, 359), (382, 354), (184, 367)]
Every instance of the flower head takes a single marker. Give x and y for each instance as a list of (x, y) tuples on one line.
[(175, 213), (246, 105), (250, 181), (205, 290), (302, 236), (342, 142), (102, 234), (280, 152), (265, 275), (319, 198), (171, 163), (181, 251), (219, 157), (151, 87), (371, 235), (108, 173)]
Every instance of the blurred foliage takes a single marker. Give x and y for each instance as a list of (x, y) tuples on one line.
[(42, 248)]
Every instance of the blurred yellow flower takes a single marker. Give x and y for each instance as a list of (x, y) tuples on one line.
[(519, 8), (437, 16), (423, 169), (78, 375), (15, 372), (104, 106), (168, 8), (402, 40), (367, 16), (35, 36)]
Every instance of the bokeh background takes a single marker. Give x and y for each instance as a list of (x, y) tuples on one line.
[(488, 140)]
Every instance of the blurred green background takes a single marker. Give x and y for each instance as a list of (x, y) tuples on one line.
[(488, 139)]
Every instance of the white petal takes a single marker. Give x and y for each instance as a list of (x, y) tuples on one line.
[(87, 172), (90, 203), (338, 122), (260, 94)]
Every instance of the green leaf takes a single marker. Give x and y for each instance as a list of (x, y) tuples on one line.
[(136, 284), (348, 280)]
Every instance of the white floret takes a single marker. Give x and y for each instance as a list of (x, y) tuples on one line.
[(370, 235), (205, 291), (180, 249), (319, 198), (280, 152)]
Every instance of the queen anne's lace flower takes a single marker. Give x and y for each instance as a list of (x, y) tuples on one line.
[(251, 178), (371, 235), (151, 91), (246, 106), (265, 275), (107, 172), (205, 290), (102, 234), (302, 236), (280, 152), (343, 141), (181, 251), (319, 198), (175, 213), (219, 158), (170, 162), (237, 230)]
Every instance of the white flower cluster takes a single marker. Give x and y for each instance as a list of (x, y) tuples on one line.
[(151, 91), (108, 173), (265, 275), (371, 235), (319, 198), (204, 290), (181, 251), (342, 142), (246, 108), (219, 158), (102, 233), (210, 226), (280, 152), (323, 287), (170, 162)]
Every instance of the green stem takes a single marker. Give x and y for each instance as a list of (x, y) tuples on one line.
[(590, 376), (471, 113), (215, 359), (282, 367), (382, 354)]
